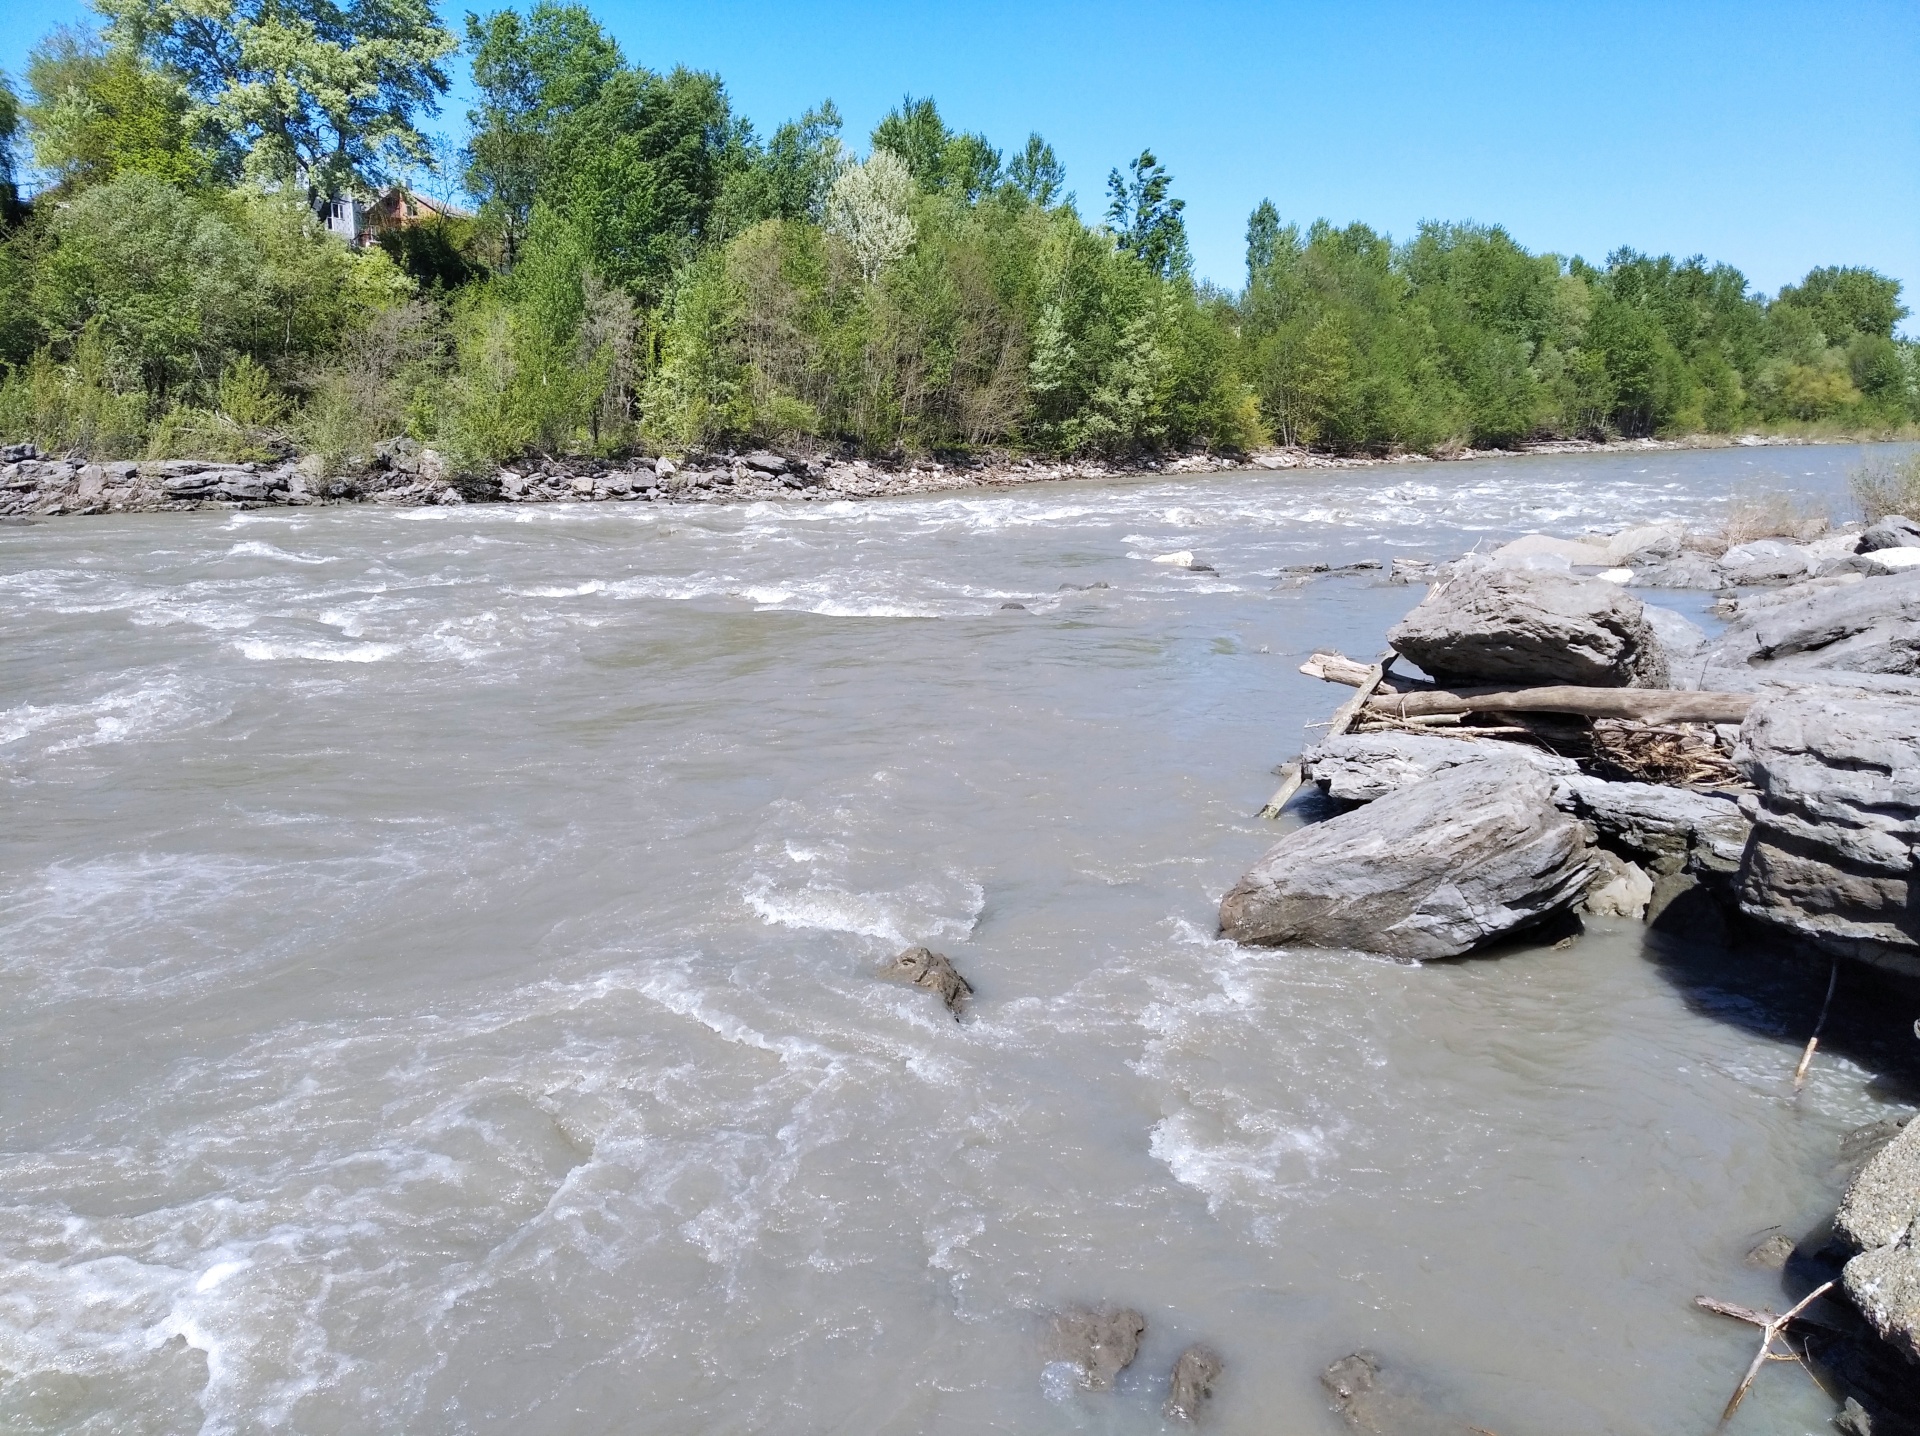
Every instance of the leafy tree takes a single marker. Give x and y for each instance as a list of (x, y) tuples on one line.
[(789, 177), (165, 281), (1145, 217), (1846, 302), (639, 170), (1263, 239), (317, 88), (869, 208), (1036, 172), (940, 160), (97, 112), (532, 73), (9, 127)]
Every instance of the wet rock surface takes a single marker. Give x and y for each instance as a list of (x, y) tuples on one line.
[(1098, 1343), (1496, 625), (1836, 815), (1473, 854), (925, 968), (1770, 1253), (1879, 1216), (1190, 1386)]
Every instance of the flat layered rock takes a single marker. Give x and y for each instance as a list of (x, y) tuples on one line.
[(1361, 767), (1836, 816), (1844, 622), (1488, 624), (1470, 855), (1666, 828)]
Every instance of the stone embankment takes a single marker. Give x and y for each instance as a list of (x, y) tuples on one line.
[(1569, 751), (400, 473)]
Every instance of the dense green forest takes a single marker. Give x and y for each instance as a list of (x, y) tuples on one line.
[(642, 269)]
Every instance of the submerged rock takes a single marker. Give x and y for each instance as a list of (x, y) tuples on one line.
[(1879, 1216), (1376, 1402), (1836, 821), (1448, 864), (1100, 1344), (1770, 1253), (1190, 1386), (924, 967), (1498, 625)]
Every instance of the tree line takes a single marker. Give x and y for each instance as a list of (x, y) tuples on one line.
[(643, 269)]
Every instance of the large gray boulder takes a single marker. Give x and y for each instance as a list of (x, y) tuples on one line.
[(1448, 864), (1360, 767), (1844, 622), (1836, 814), (1879, 1216), (1498, 625)]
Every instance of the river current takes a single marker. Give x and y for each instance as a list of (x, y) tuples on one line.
[(437, 989)]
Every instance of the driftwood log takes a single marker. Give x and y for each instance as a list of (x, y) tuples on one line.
[(1367, 680), (1402, 699)]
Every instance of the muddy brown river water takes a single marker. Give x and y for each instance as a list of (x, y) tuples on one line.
[(436, 984)]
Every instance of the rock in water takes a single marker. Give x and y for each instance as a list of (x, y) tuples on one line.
[(1436, 869), (1498, 625), (1375, 1403), (1191, 1385), (1879, 1215), (1836, 820), (1101, 1344), (924, 967)]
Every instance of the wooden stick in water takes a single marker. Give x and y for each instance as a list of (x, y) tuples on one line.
[(1806, 1058), (1770, 1328)]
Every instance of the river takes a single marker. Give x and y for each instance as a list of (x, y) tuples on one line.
[(436, 983)]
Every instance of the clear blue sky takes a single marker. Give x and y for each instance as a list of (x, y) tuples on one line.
[(1774, 136)]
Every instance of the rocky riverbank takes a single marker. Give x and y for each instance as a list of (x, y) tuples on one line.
[(1567, 752), (401, 473)]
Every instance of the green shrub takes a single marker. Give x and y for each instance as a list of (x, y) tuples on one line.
[(89, 404)]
